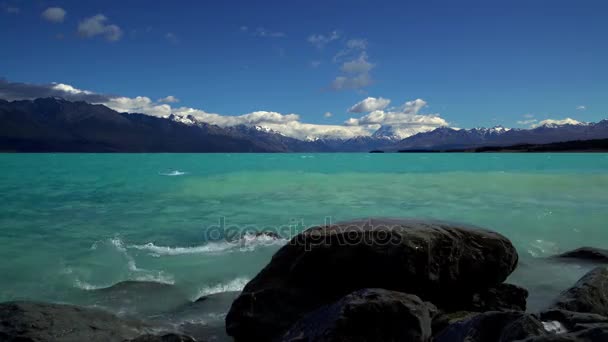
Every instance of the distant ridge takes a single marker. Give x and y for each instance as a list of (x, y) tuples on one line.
[(58, 125), (594, 145)]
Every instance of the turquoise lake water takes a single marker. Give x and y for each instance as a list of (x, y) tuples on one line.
[(75, 222)]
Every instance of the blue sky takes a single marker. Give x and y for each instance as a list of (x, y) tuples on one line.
[(475, 63)]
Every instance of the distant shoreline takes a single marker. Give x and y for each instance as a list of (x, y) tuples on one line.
[(579, 146)]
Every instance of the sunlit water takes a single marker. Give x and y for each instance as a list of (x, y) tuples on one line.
[(70, 223)]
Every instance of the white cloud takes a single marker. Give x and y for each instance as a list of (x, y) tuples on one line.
[(552, 122), (404, 121), (327, 115), (357, 44), (96, 25), (356, 74), (315, 64), (527, 122), (169, 99), (171, 37), (320, 40), (581, 108), (528, 116), (356, 67), (54, 14), (69, 89), (369, 104)]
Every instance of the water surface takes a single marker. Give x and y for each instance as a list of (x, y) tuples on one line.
[(75, 222)]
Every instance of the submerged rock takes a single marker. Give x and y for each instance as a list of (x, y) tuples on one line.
[(367, 315), (588, 295), (591, 254), (141, 298), (439, 262), (44, 322), (493, 327)]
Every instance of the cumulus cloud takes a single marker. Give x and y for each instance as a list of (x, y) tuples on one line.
[(327, 115), (320, 40), (369, 104), (169, 99), (581, 108), (54, 14), (96, 26), (404, 121), (553, 122)]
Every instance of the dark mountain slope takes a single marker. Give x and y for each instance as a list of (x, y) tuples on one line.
[(56, 125)]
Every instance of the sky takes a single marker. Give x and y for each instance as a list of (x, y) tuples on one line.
[(315, 67)]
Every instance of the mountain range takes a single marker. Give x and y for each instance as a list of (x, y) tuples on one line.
[(58, 125)]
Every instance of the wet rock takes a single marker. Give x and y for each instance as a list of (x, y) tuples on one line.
[(503, 297), (439, 262), (202, 319), (492, 327), (44, 322), (367, 315), (590, 254), (573, 321), (522, 328), (141, 298), (588, 295), (163, 338), (590, 335)]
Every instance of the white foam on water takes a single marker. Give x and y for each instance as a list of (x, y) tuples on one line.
[(135, 273), (234, 285), (554, 327), (247, 243), (173, 173), (542, 248), (83, 285)]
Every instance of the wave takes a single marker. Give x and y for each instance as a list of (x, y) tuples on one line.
[(133, 272), (234, 285), (248, 243), (173, 173)]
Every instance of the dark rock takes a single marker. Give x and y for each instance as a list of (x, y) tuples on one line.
[(141, 298), (522, 328), (436, 261), (492, 327), (504, 297), (271, 235), (590, 335), (588, 295), (163, 338), (367, 315), (591, 254), (573, 321), (43, 322), (202, 319)]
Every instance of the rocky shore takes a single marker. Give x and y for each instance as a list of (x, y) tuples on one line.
[(368, 280)]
